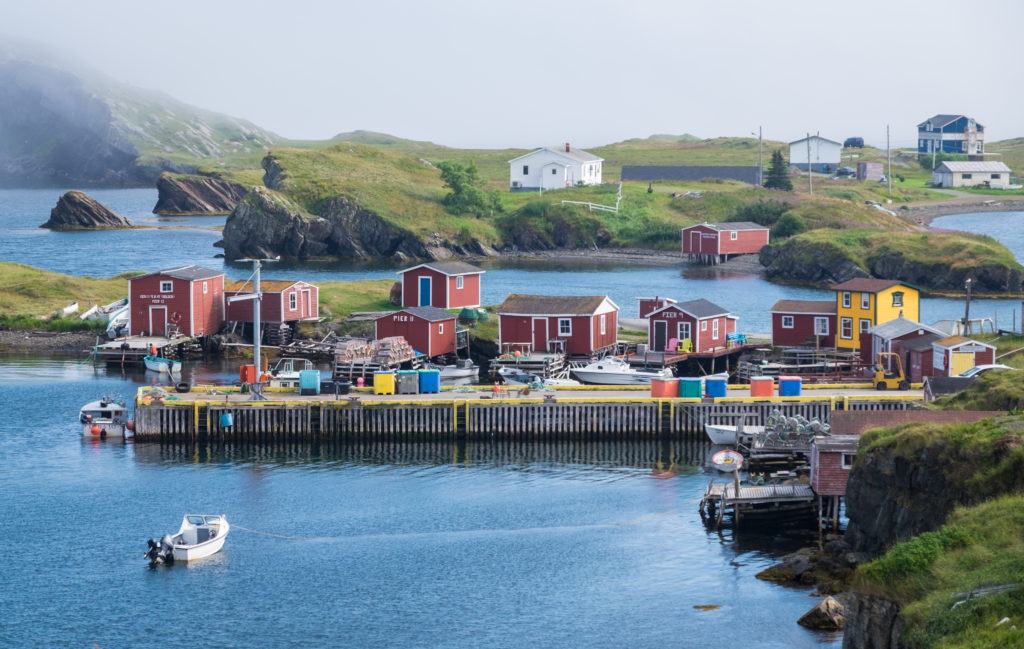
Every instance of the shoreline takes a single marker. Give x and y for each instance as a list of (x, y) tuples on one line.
[(55, 342), (925, 213)]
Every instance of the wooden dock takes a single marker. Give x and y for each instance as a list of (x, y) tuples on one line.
[(741, 501), (285, 417), (130, 349)]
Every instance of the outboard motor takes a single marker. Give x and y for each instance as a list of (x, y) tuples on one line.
[(161, 551)]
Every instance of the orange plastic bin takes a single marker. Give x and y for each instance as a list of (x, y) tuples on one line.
[(762, 386), (664, 388)]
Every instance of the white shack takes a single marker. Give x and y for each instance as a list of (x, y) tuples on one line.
[(971, 174), (822, 156), (554, 168)]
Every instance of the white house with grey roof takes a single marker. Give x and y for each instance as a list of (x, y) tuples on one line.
[(554, 168), (963, 173)]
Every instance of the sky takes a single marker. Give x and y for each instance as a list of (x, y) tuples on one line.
[(489, 73)]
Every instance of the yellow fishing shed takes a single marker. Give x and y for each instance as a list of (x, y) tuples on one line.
[(864, 302)]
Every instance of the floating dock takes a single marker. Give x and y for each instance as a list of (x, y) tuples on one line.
[(199, 416)]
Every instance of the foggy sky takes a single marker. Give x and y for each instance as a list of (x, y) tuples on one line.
[(522, 73)]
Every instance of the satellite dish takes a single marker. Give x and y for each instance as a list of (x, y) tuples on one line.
[(728, 460)]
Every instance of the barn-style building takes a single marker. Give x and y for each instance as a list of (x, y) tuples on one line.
[(955, 354), (187, 300), (430, 331), (575, 325), (798, 323), (703, 323), (712, 243), (283, 301), (441, 284)]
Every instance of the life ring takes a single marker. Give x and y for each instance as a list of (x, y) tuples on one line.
[(175, 317)]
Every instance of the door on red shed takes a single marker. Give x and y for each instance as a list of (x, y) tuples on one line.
[(660, 336), (307, 303), (540, 334), (695, 241), (157, 321)]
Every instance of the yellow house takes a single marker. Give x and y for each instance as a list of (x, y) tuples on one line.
[(864, 302)]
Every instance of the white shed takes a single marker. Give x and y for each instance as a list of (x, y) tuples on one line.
[(824, 154), (554, 168), (971, 174)]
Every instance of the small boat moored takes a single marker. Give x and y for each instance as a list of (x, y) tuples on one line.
[(463, 368), (200, 536), (614, 371), (103, 418), (162, 365)]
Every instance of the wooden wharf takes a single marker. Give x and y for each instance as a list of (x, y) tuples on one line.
[(131, 349), (746, 501), (572, 414)]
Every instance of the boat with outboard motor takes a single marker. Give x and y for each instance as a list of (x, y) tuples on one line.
[(463, 368), (517, 376), (103, 418), (200, 536), (285, 374), (161, 365), (615, 371)]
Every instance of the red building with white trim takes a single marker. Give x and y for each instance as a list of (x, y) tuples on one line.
[(283, 301), (647, 305), (954, 354), (718, 241), (705, 323), (441, 284), (797, 323), (831, 460), (430, 331), (188, 299), (576, 325)]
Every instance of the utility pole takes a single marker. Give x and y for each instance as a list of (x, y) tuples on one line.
[(888, 157), (760, 163), (967, 309), (935, 147), (257, 298), (810, 182)]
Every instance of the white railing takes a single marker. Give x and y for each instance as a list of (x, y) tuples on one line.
[(597, 206)]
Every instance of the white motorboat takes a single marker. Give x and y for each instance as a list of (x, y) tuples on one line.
[(727, 461), (614, 371), (103, 418), (117, 322), (519, 377), (200, 536), (463, 368), (286, 373), (161, 364), (730, 435)]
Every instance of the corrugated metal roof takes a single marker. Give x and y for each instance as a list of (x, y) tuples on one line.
[(688, 172), (266, 285), (900, 327), (576, 154), (701, 308), (866, 284), (428, 313), (552, 304), (190, 273), (448, 267), (804, 306), (979, 166), (815, 137), (921, 343), (735, 225)]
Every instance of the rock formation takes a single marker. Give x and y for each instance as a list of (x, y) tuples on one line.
[(827, 615), (192, 194), (802, 261), (77, 211), (872, 623)]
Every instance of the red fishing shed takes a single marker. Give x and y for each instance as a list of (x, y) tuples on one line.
[(717, 241), (704, 323), (283, 301), (188, 300), (430, 331), (576, 325), (441, 284), (804, 322)]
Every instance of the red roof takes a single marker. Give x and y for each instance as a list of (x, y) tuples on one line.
[(825, 307), (866, 284)]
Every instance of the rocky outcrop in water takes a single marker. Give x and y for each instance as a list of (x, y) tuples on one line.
[(196, 195), (808, 262), (77, 211), (871, 623)]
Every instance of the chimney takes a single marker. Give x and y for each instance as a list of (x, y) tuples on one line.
[(567, 147)]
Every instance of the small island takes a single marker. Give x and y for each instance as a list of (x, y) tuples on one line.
[(77, 210)]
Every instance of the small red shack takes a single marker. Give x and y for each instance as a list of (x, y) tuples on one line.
[(441, 284), (715, 242), (188, 300), (576, 325), (893, 336), (919, 356), (283, 301), (804, 322), (705, 323), (646, 305), (430, 331), (831, 460), (955, 354)]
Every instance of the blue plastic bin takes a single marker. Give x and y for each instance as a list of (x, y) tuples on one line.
[(309, 382), (716, 387), (790, 386), (430, 381)]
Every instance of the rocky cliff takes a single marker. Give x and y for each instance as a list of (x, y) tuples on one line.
[(872, 623), (809, 261), (179, 194), (78, 211)]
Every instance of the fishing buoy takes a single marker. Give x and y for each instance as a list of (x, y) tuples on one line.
[(360, 382), (95, 430), (130, 424), (518, 353), (227, 420)]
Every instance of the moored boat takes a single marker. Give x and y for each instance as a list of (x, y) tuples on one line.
[(518, 377), (200, 536), (462, 369), (103, 418), (613, 371), (162, 365), (729, 435), (285, 374)]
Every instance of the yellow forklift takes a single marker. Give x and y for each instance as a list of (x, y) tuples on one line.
[(892, 378)]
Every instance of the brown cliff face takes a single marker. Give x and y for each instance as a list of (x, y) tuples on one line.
[(197, 195), (77, 211)]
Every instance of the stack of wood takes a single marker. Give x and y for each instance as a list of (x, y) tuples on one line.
[(352, 350), (393, 350)]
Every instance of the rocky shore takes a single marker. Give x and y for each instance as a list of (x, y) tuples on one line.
[(183, 195), (46, 342), (78, 211)]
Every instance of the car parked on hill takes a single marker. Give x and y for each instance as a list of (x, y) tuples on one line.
[(853, 143), (981, 369)]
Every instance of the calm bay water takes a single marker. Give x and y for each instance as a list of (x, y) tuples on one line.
[(191, 240), (378, 544)]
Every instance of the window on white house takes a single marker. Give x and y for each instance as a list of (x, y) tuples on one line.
[(846, 328), (967, 176), (604, 323), (703, 325), (733, 235), (564, 327), (714, 330), (865, 324), (204, 288), (897, 298), (166, 287), (821, 326), (440, 328), (293, 301), (865, 300), (459, 281), (846, 299), (995, 176), (787, 322), (848, 460), (554, 171), (526, 170)]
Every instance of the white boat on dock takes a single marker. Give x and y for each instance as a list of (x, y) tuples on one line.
[(463, 368), (614, 371), (285, 374), (200, 536), (162, 365), (103, 418), (516, 376), (730, 435)]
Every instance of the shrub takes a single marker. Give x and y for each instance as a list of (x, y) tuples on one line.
[(788, 225), (762, 212)]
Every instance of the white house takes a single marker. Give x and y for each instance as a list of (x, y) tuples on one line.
[(554, 168), (971, 174), (824, 154)]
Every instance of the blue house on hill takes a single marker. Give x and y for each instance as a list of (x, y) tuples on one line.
[(951, 134)]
